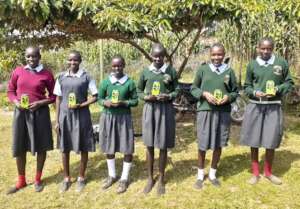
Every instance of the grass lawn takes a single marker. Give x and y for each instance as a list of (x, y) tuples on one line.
[(181, 174)]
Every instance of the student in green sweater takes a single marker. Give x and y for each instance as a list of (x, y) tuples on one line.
[(215, 88), (157, 86), (117, 94), (267, 80)]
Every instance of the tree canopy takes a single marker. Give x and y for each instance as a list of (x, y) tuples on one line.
[(128, 21)]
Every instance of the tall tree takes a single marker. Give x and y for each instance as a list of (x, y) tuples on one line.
[(127, 21)]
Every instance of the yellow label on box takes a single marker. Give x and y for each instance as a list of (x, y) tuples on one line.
[(115, 96), (25, 101), (218, 94), (72, 99), (270, 88), (155, 88)]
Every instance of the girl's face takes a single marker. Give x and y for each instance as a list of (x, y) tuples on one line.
[(74, 61), (265, 50), (217, 55), (32, 57), (158, 56), (117, 67)]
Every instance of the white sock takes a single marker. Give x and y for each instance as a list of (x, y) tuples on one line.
[(125, 171), (111, 165), (212, 173), (200, 174)]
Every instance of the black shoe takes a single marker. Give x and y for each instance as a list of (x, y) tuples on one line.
[(38, 186), (149, 186), (65, 185), (198, 184), (12, 190), (123, 185), (214, 182), (108, 182), (161, 190)]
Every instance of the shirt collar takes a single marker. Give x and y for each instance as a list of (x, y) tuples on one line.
[(39, 68), (222, 68), (262, 62), (160, 70), (114, 80), (78, 74)]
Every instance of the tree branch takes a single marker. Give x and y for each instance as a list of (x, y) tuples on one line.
[(184, 62), (179, 42), (151, 38), (138, 47)]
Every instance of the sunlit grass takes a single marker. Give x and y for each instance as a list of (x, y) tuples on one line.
[(181, 172)]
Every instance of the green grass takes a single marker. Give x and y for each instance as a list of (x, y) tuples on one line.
[(233, 173)]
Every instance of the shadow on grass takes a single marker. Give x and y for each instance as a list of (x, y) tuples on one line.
[(233, 165), (185, 135), (180, 170), (283, 160)]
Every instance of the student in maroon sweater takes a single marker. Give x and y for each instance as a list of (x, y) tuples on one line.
[(31, 124)]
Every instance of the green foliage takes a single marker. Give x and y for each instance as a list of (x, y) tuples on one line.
[(124, 21), (8, 60), (279, 20), (90, 51), (128, 21)]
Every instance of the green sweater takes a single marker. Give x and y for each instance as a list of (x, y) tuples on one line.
[(127, 93), (258, 75), (207, 80), (168, 82)]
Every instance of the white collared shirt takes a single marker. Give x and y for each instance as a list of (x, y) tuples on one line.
[(222, 68), (92, 84), (262, 62), (160, 70), (39, 68), (114, 80)]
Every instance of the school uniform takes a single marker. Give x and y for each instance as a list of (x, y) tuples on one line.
[(75, 125), (263, 120), (31, 129), (158, 120), (213, 121), (116, 128)]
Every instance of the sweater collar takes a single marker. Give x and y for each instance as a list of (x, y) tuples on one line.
[(220, 69), (39, 68), (160, 70), (114, 80), (262, 62)]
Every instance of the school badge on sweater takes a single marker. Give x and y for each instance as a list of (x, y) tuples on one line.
[(226, 79), (167, 78), (277, 70)]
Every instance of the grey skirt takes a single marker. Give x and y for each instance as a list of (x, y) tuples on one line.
[(262, 126), (116, 133), (159, 125), (75, 131), (213, 129), (32, 131)]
